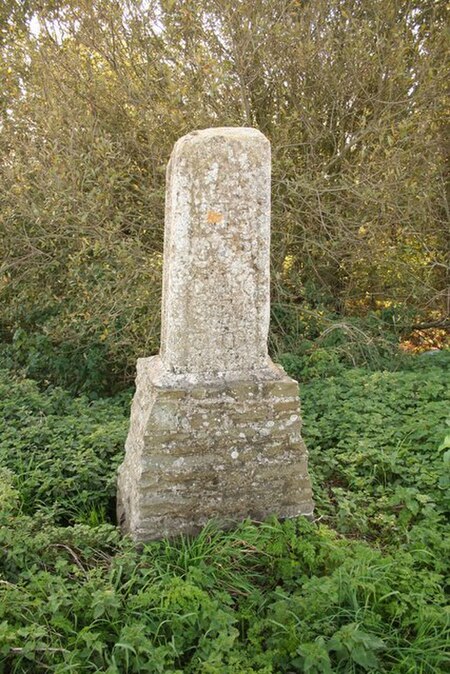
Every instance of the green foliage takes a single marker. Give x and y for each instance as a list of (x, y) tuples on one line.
[(63, 451), (360, 590), (79, 367), (377, 444), (81, 598)]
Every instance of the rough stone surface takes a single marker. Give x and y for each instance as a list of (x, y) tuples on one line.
[(215, 425), (215, 314)]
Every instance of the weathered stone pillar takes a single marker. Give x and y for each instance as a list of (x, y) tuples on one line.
[(215, 425)]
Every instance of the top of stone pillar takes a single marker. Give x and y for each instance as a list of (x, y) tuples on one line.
[(215, 313)]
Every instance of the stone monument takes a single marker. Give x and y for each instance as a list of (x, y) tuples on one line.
[(215, 425)]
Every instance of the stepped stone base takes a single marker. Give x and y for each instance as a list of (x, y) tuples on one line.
[(223, 448)]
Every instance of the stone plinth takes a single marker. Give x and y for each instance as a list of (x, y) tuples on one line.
[(215, 425), (223, 449)]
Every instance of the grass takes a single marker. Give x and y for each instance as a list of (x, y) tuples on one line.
[(363, 588)]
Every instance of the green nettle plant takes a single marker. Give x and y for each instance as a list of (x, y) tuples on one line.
[(360, 589)]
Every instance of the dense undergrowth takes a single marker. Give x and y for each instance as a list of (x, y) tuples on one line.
[(360, 589)]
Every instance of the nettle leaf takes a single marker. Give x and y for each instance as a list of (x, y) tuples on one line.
[(371, 640), (352, 643), (364, 657), (335, 644), (315, 658)]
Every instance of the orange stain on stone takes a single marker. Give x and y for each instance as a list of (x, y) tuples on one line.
[(214, 217)]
